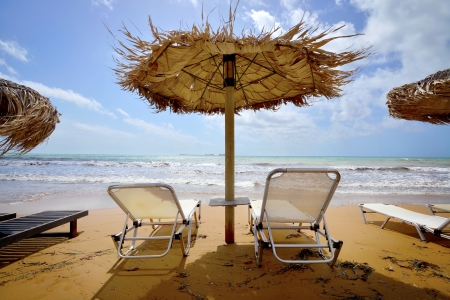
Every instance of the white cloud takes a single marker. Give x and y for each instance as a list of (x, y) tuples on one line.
[(14, 49), (289, 4), (294, 16), (70, 96), (389, 122), (398, 34), (102, 130), (254, 3), (66, 95), (194, 2), (407, 51), (291, 128), (263, 20), (10, 70), (168, 132), (283, 126), (416, 32), (4, 76), (343, 44), (107, 3), (363, 95), (123, 112)]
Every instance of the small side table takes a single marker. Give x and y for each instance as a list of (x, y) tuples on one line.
[(217, 201)]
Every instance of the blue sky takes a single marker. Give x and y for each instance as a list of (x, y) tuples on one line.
[(63, 50)]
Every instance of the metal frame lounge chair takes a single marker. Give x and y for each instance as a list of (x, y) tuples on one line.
[(295, 196), (439, 208), (159, 204), (422, 222), (17, 229)]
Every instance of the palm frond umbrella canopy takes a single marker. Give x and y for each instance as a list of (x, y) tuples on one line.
[(26, 118), (427, 100), (209, 71)]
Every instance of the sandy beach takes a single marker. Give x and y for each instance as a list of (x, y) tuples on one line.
[(311, 105), (374, 264)]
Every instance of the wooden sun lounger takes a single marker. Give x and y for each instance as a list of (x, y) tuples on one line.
[(17, 229), (7, 216)]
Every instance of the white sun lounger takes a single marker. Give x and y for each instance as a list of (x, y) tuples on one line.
[(434, 224), (439, 208), (159, 204), (295, 196)]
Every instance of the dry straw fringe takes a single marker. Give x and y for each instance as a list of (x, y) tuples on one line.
[(427, 100), (26, 118), (181, 70)]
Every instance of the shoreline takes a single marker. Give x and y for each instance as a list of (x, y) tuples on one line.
[(374, 263), (36, 180), (100, 199)]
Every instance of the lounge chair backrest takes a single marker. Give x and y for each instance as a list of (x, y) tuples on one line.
[(147, 201), (309, 191)]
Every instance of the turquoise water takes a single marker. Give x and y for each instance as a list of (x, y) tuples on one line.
[(33, 177)]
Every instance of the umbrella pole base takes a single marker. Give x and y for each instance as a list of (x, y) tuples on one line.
[(229, 224)]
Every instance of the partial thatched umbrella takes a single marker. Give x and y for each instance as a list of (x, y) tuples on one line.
[(427, 100), (26, 118), (206, 71)]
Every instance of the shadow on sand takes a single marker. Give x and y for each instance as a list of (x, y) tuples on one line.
[(29, 246), (231, 272)]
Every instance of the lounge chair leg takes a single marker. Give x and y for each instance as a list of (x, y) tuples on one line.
[(384, 223), (258, 244), (73, 228), (430, 207), (199, 212), (363, 214), (419, 230), (249, 217), (338, 246), (116, 239), (251, 225), (183, 248), (196, 221), (259, 253)]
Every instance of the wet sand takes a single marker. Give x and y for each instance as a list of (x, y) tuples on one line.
[(374, 263)]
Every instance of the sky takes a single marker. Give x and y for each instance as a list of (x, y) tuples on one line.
[(64, 50)]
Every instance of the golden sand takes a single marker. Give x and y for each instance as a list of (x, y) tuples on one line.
[(390, 263)]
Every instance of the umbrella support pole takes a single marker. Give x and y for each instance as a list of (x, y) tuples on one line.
[(229, 164), (229, 71)]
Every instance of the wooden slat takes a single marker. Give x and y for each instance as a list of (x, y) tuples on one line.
[(7, 216)]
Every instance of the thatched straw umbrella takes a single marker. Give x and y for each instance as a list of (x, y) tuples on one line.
[(209, 71), (26, 118), (427, 100)]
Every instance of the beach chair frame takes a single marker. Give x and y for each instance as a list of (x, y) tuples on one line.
[(438, 208), (422, 222), (185, 217), (260, 222)]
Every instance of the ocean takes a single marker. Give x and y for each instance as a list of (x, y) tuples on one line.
[(65, 180)]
